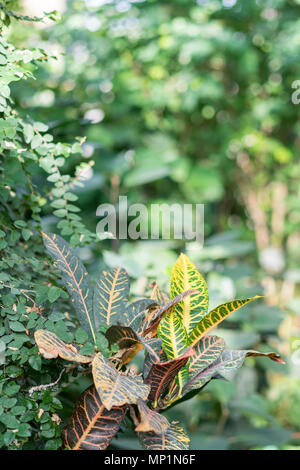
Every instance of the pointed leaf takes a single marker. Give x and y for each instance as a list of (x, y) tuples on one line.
[(74, 277), (116, 388), (92, 426), (216, 316), (136, 312), (110, 296), (151, 420), (225, 367), (207, 350), (151, 322), (50, 346), (174, 341), (162, 373), (126, 337), (157, 356), (173, 439), (158, 295), (184, 277)]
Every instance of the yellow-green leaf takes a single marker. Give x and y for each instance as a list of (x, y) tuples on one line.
[(185, 276), (174, 341), (216, 316)]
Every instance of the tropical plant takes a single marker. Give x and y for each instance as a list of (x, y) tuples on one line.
[(180, 358)]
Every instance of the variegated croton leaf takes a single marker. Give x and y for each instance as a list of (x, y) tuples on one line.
[(92, 426), (185, 277), (50, 346), (158, 356), (216, 316), (207, 350), (174, 438), (126, 338), (154, 316), (75, 278), (111, 294), (135, 313), (116, 388), (158, 295), (150, 420), (151, 322), (161, 375), (174, 341), (225, 367)]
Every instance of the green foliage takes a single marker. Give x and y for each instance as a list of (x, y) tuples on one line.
[(27, 287)]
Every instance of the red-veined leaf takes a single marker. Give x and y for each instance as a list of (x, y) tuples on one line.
[(162, 373), (92, 426), (151, 359), (158, 295), (173, 439)]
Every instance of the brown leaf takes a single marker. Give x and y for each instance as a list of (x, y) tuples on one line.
[(50, 346), (92, 426), (151, 420), (153, 318), (114, 387), (162, 373)]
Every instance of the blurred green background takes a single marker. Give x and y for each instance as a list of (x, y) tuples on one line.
[(191, 102)]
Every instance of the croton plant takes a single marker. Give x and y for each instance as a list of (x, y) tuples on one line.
[(179, 355)]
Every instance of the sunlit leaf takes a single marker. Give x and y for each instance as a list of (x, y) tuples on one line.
[(216, 316), (173, 439), (74, 277), (184, 277), (110, 296), (115, 388), (50, 346), (92, 426)]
